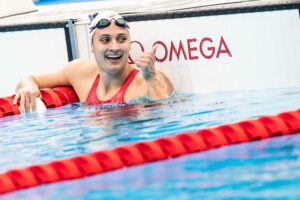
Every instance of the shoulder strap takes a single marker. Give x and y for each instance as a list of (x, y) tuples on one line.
[(92, 97), (120, 96)]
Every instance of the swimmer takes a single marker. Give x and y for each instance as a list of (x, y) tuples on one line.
[(107, 79)]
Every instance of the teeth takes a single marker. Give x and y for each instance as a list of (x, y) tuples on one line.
[(113, 56)]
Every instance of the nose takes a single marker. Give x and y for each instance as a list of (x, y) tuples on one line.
[(114, 45)]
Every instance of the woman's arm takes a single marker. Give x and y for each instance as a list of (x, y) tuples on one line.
[(159, 86), (27, 89)]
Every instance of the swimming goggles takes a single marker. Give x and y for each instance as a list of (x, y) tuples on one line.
[(105, 22)]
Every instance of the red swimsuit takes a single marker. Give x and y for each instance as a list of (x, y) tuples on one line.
[(92, 98)]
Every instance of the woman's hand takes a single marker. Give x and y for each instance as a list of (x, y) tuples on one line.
[(27, 95), (159, 86), (146, 62)]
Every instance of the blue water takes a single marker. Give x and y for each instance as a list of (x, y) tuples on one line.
[(262, 169), (268, 169)]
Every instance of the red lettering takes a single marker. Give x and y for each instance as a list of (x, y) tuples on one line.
[(142, 50), (226, 50), (211, 49), (190, 49), (177, 52), (166, 51)]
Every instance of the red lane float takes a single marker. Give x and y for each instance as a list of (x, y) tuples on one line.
[(7, 107), (130, 155), (66, 94), (254, 129), (292, 120), (54, 97), (149, 151), (87, 165), (22, 178), (44, 173)]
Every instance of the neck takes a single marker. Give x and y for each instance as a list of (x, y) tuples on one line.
[(111, 81)]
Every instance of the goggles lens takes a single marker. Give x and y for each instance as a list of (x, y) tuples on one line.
[(103, 23)]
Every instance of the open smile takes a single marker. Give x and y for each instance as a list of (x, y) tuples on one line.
[(113, 57)]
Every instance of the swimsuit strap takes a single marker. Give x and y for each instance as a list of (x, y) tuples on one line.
[(118, 97), (92, 97)]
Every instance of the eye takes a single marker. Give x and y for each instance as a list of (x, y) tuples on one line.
[(122, 39), (104, 40)]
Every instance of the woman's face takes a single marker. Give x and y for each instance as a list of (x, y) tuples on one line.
[(111, 47)]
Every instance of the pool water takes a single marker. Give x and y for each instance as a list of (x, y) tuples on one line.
[(261, 169)]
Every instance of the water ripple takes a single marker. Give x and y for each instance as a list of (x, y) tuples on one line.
[(75, 129)]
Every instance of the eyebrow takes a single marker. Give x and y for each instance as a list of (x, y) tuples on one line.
[(122, 34), (104, 35), (108, 35)]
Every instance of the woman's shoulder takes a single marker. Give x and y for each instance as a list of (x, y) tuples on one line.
[(81, 74), (83, 67), (85, 64)]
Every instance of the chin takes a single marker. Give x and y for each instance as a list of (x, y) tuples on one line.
[(113, 68)]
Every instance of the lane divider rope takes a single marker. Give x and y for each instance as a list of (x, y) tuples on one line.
[(141, 152), (149, 151), (54, 97)]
